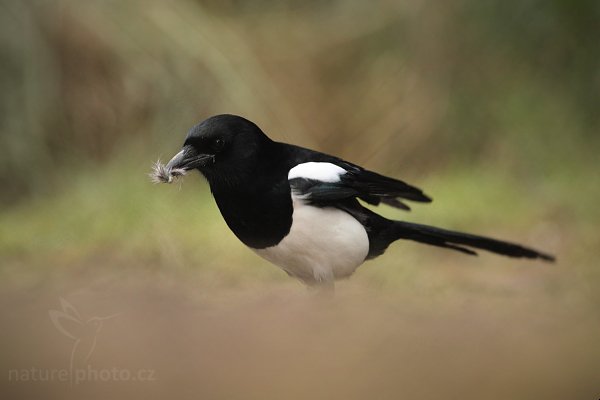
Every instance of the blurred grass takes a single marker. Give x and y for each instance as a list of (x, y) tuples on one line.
[(413, 85), (115, 217)]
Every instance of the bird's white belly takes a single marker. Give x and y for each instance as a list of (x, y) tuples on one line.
[(323, 244)]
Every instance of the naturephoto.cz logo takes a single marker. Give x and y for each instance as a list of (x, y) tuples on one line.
[(80, 375), (83, 333)]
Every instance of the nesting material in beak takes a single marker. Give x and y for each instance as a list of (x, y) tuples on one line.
[(162, 173)]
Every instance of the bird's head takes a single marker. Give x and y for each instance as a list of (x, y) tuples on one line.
[(223, 145)]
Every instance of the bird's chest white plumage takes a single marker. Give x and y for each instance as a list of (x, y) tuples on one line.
[(323, 244)]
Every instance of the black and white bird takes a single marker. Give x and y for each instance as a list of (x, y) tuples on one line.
[(300, 208)]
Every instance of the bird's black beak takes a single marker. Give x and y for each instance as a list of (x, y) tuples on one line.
[(188, 158)]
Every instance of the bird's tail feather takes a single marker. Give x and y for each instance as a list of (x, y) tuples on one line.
[(463, 241)]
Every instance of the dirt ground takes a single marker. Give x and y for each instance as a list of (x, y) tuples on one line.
[(160, 336)]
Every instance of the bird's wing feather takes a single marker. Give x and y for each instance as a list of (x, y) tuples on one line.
[(326, 182)]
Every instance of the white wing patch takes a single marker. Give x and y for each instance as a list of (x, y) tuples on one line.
[(320, 171)]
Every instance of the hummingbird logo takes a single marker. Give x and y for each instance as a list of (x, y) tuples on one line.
[(83, 331)]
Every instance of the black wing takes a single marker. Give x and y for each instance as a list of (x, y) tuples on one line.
[(352, 181), (340, 184)]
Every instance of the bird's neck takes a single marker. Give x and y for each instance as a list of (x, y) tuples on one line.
[(255, 203), (259, 219)]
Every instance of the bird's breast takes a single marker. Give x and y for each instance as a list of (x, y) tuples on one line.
[(258, 218)]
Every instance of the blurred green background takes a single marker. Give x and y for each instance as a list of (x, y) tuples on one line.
[(492, 107)]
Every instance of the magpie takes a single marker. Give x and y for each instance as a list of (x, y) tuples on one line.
[(301, 209)]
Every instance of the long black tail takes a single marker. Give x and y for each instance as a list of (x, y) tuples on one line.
[(456, 240)]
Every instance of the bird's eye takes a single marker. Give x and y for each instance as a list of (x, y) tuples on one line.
[(218, 144)]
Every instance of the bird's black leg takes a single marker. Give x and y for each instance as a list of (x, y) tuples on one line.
[(323, 287)]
